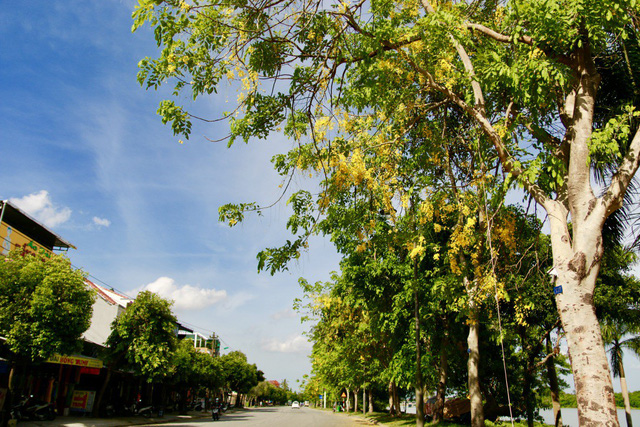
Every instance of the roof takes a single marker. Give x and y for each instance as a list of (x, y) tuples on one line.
[(110, 295), (32, 228), (182, 328)]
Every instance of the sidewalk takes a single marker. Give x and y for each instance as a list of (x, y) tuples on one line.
[(113, 422)]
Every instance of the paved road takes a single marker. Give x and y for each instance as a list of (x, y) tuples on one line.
[(281, 416)]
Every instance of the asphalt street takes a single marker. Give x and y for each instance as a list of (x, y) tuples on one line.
[(280, 416)]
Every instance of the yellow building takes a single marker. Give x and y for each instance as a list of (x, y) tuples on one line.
[(19, 230)]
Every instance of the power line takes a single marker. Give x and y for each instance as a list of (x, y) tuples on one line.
[(94, 278), (191, 325)]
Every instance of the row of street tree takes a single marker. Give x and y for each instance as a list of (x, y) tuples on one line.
[(385, 315), (45, 306), (419, 120)]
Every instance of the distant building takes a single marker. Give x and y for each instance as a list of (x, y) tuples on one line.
[(108, 306), (210, 345)]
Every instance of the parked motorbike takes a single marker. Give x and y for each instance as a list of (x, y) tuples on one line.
[(30, 408), (197, 405), (139, 409)]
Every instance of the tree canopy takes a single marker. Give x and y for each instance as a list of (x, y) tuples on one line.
[(45, 306), (144, 338)]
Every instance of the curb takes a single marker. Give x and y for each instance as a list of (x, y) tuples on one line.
[(112, 422)]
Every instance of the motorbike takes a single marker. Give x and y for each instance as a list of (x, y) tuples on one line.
[(197, 405), (138, 409), (30, 408), (145, 411), (215, 413)]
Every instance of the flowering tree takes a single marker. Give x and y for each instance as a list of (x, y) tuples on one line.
[(545, 88)]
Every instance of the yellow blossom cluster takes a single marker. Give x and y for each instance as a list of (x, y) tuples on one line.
[(417, 250)]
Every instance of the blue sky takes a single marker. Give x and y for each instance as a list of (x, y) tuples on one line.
[(83, 151)]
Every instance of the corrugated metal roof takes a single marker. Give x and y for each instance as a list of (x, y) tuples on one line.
[(109, 295)]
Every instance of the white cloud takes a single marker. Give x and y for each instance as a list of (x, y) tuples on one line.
[(102, 222), (295, 344), (287, 313), (185, 297), (39, 206)]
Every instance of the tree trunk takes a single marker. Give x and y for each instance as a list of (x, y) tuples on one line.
[(473, 342), (553, 385), (438, 414), (391, 400), (348, 405), (419, 381), (396, 399), (355, 400), (577, 254), (364, 400), (594, 389), (97, 408), (528, 398), (370, 402), (625, 394)]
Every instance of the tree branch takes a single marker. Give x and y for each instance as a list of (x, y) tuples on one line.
[(614, 195), (497, 36)]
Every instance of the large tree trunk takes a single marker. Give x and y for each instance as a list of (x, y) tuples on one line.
[(594, 390), (473, 342), (577, 255), (553, 385), (625, 394), (370, 402), (577, 264)]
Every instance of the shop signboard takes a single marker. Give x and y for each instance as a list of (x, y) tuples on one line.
[(82, 400), (84, 362)]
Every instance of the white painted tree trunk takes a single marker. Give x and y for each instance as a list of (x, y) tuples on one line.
[(364, 400)]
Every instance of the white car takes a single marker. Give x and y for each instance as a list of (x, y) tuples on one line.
[(295, 405)]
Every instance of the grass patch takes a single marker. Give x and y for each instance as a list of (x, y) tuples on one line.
[(386, 419), (406, 420)]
